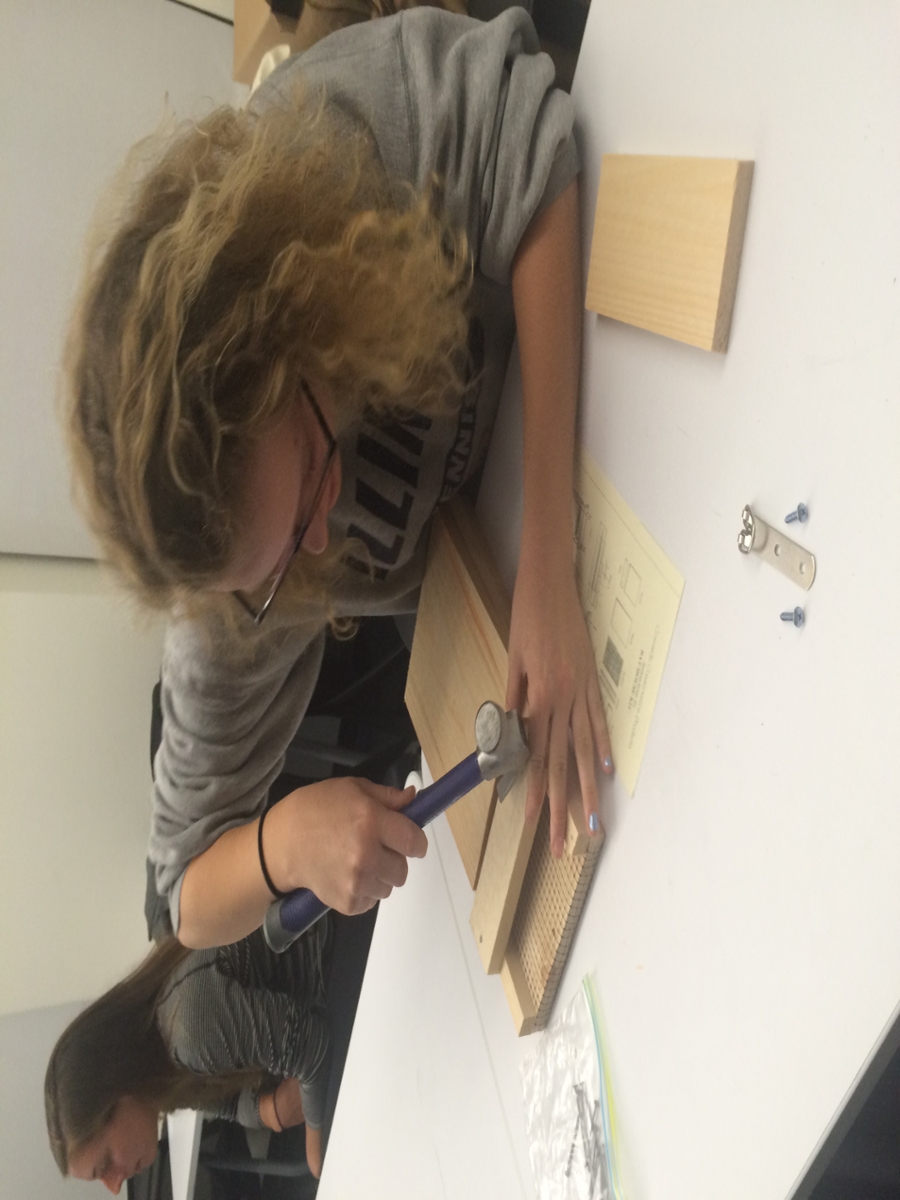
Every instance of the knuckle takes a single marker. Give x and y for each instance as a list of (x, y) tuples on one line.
[(537, 764), (558, 771), (583, 742), (565, 678), (357, 875), (365, 830)]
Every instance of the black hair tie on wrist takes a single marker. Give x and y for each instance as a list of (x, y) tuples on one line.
[(279, 895)]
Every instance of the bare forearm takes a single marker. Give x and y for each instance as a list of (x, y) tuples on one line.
[(341, 838), (547, 297), (224, 896), (552, 673)]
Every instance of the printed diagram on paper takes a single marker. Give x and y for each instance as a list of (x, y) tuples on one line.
[(630, 593)]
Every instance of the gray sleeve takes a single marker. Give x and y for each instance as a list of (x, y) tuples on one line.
[(446, 96), (487, 119), (226, 726), (217, 1025)]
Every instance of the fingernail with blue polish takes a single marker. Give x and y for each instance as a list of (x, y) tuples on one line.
[(607, 763), (594, 823)]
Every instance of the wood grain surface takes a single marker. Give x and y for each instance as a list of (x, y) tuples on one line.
[(667, 242), (458, 661)]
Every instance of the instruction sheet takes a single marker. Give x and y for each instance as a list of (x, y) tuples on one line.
[(630, 593)]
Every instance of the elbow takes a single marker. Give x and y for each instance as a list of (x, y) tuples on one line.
[(191, 939), (194, 933), (190, 928)]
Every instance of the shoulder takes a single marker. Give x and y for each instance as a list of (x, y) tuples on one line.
[(184, 999), (213, 665), (396, 49), (377, 69)]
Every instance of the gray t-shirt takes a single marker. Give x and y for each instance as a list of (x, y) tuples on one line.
[(242, 1006), (474, 104)]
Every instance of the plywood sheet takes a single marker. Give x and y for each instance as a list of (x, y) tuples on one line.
[(667, 244), (458, 661)]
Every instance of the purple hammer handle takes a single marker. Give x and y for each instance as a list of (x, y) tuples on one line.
[(286, 919)]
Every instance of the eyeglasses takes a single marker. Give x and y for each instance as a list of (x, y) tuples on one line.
[(257, 614)]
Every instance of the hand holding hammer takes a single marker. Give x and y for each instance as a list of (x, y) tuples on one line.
[(501, 753)]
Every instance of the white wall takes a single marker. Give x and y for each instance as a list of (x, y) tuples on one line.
[(27, 1168), (76, 674), (79, 84)]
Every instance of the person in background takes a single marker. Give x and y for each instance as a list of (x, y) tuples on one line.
[(238, 1032)]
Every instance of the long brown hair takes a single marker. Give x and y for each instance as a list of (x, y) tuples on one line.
[(114, 1049), (252, 251)]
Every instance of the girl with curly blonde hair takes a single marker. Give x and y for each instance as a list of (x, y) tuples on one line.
[(288, 353)]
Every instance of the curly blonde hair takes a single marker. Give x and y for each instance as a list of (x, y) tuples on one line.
[(252, 251)]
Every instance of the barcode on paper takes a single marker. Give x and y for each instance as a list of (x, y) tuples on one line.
[(612, 661)]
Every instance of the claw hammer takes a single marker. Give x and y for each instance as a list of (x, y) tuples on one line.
[(502, 752)]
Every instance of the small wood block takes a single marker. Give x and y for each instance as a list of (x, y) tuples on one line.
[(667, 244), (458, 661), (518, 994), (505, 858), (506, 855), (578, 837)]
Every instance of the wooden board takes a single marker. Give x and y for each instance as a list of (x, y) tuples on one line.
[(506, 854), (458, 661), (667, 244), (528, 902), (518, 994)]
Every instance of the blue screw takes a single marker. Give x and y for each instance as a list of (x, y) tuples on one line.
[(800, 513), (796, 616)]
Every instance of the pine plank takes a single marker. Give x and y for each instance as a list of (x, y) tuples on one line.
[(458, 661), (666, 247)]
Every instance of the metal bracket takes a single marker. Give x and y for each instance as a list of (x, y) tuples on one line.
[(776, 549)]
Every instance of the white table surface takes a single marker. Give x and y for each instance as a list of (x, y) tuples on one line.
[(185, 1128), (430, 1102), (744, 924)]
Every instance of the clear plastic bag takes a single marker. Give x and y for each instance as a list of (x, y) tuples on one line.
[(568, 1114)]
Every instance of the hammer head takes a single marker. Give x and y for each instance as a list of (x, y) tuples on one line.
[(502, 745)]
